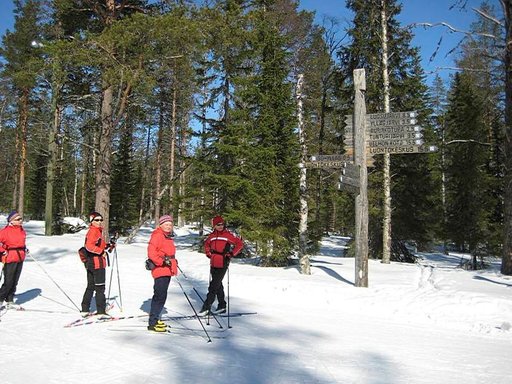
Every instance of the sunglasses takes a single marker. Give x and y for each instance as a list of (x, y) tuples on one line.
[(18, 219), (98, 220), (219, 225)]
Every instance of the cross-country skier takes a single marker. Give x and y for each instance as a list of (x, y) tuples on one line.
[(220, 246), (162, 256), (12, 254)]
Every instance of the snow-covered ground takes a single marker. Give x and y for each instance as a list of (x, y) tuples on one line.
[(427, 323)]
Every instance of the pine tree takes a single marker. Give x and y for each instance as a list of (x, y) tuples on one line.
[(21, 65), (123, 212), (466, 153), (276, 151)]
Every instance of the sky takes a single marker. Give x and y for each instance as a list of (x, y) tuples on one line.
[(419, 11), (413, 11), (426, 323)]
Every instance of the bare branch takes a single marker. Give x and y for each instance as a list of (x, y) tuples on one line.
[(467, 141), (488, 17), (454, 30), (459, 69)]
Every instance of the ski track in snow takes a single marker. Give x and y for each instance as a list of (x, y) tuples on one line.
[(309, 329)]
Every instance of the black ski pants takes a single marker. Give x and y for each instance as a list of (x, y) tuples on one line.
[(12, 272), (95, 283), (216, 289), (160, 288)]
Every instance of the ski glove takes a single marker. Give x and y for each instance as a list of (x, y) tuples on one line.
[(167, 261)]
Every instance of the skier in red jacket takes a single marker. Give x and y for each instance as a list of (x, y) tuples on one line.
[(12, 255), (162, 256), (95, 265), (220, 246)]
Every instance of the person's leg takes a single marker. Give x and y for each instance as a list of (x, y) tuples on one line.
[(99, 288), (221, 301), (160, 288), (89, 291), (9, 278), (215, 284), (16, 277)]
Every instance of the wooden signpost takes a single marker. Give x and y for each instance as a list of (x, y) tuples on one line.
[(367, 135)]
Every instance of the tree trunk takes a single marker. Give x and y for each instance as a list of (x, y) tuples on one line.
[(173, 148), (158, 164), (103, 166), (23, 148), (52, 163), (386, 225), (506, 263), (305, 265)]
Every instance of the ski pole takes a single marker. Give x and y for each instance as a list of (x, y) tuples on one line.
[(118, 280), (193, 309), (110, 280), (213, 314), (229, 325), (44, 270), (201, 298)]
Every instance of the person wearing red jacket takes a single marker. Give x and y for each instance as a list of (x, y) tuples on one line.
[(12, 254), (220, 246), (162, 259), (95, 264)]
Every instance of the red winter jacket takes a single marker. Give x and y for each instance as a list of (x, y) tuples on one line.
[(12, 241), (95, 245), (160, 245), (221, 244)]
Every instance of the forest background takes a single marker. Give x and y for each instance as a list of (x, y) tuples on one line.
[(136, 108)]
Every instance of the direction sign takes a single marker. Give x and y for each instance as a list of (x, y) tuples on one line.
[(323, 164), (392, 115), (349, 181), (394, 143), (387, 136), (389, 115), (408, 128), (402, 149), (330, 158), (387, 143)]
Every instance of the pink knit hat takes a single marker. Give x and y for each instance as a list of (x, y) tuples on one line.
[(165, 219)]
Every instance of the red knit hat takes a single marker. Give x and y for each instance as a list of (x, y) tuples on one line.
[(217, 220), (94, 215)]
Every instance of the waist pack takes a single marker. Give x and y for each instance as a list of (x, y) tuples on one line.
[(82, 253), (174, 266)]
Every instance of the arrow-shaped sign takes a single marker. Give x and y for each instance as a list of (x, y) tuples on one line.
[(349, 181)]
